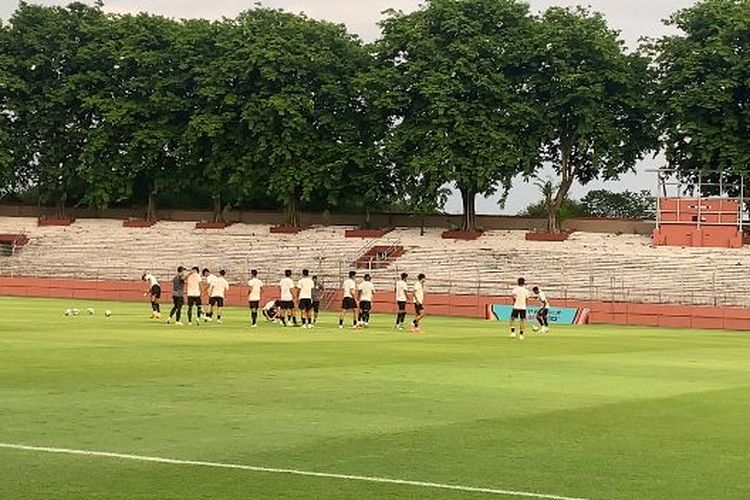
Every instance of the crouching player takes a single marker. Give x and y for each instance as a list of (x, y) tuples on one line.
[(271, 310), (542, 316), (154, 290)]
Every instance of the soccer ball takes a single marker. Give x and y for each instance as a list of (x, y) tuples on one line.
[(108, 313), (90, 311), (75, 312), (535, 328), (68, 312)]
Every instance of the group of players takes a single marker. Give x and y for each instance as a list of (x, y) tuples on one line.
[(304, 295)]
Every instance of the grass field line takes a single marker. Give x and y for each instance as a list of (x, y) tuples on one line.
[(293, 472)]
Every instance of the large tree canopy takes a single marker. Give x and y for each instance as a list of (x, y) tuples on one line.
[(704, 90), (453, 79), (596, 101)]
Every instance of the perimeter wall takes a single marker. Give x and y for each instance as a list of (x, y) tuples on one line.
[(671, 316), (487, 222)]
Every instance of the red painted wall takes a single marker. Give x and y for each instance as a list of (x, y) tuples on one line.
[(618, 313)]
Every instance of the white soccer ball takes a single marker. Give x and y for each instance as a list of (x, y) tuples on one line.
[(91, 311), (108, 313), (76, 312), (68, 312), (535, 328)]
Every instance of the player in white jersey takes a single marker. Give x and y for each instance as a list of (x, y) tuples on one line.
[(154, 290), (349, 301), (253, 297), (193, 282), (287, 297), (366, 292), (217, 292), (542, 316), (418, 303), (402, 288), (206, 282), (521, 296), (271, 310), (305, 303)]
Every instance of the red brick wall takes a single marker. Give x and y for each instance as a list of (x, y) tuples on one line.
[(665, 315)]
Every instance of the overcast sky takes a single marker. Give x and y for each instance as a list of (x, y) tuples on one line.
[(634, 19)]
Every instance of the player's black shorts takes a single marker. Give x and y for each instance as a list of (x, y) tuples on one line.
[(194, 301), (365, 305), (418, 308), (286, 304), (255, 304), (270, 313), (216, 301), (156, 291), (316, 306), (178, 301), (305, 304), (401, 305), (348, 304), (518, 314), (543, 312)]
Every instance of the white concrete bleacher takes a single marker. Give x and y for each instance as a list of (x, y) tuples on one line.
[(588, 266)]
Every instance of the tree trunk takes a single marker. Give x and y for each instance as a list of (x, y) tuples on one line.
[(568, 176), (151, 208), (217, 215), (468, 197), (60, 206), (292, 215)]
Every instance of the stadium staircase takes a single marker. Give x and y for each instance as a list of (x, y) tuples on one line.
[(587, 266)]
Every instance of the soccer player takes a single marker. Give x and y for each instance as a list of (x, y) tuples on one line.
[(402, 288), (253, 297), (271, 310), (318, 291), (349, 303), (193, 282), (542, 315), (178, 299), (521, 297), (217, 292), (418, 303), (287, 296), (154, 290), (206, 280), (366, 292), (306, 286)]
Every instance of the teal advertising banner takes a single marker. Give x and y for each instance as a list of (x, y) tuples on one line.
[(557, 315)]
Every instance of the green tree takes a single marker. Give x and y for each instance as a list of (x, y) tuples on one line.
[(568, 208), (704, 90), (48, 112), (624, 205), (596, 100), (296, 79), (453, 80)]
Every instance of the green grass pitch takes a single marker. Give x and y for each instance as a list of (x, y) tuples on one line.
[(592, 412)]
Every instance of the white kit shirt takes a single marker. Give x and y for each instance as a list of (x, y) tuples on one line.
[(306, 286), (152, 281), (543, 299), (521, 294), (349, 285), (255, 287), (193, 285), (366, 291), (219, 287), (401, 288), (286, 289), (418, 293)]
